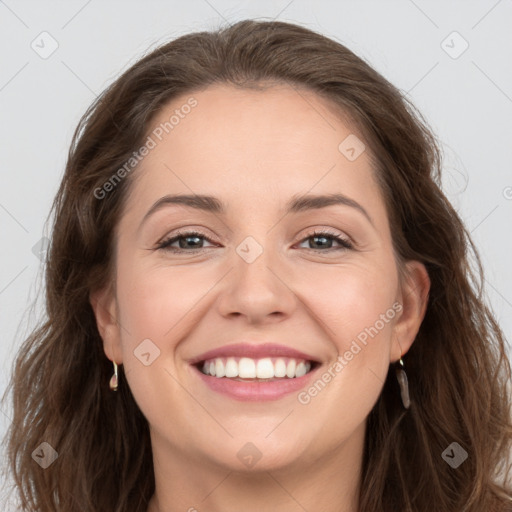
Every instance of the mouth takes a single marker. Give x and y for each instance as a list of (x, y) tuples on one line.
[(255, 371), (255, 380), (266, 369)]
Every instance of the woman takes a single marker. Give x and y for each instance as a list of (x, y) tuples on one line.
[(259, 299)]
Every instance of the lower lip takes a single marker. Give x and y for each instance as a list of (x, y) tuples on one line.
[(255, 391)]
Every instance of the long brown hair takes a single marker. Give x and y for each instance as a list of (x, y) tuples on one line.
[(458, 367)]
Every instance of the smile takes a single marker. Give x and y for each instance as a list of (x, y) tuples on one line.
[(267, 368), (255, 380)]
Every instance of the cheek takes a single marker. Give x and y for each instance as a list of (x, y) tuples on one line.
[(158, 305), (351, 297), (356, 307), (156, 301), (360, 326)]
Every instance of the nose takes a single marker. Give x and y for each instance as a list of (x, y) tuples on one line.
[(259, 291)]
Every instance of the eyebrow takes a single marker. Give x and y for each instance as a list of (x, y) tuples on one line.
[(295, 205)]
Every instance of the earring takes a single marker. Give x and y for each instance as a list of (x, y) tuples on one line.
[(113, 380), (404, 385)]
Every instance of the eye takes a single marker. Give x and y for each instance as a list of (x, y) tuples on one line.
[(325, 238), (191, 241), (186, 240)]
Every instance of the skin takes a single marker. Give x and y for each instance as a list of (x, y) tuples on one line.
[(254, 150)]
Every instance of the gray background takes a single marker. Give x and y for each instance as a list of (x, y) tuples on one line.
[(466, 96)]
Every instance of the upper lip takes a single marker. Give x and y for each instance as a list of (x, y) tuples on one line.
[(253, 351)]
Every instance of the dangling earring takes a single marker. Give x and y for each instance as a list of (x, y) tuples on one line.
[(113, 380), (404, 385)]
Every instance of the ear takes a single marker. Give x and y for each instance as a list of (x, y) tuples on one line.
[(104, 305), (414, 299)]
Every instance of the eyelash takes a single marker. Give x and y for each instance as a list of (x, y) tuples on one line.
[(165, 244)]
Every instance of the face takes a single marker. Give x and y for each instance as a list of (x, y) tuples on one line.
[(269, 279)]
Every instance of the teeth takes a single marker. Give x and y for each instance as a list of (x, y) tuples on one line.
[(300, 370), (280, 368), (247, 368), (219, 368), (231, 368), (265, 369), (290, 369)]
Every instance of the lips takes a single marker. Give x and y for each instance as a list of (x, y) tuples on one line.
[(261, 367)]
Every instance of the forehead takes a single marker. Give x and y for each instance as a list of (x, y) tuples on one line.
[(257, 122), (268, 144)]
